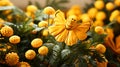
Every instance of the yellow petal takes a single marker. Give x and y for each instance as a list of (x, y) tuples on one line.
[(80, 35), (59, 17), (62, 36), (84, 27), (56, 29), (118, 42), (71, 39)]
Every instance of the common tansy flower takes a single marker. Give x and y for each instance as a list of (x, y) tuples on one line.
[(100, 48), (7, 31), (37, 42), (12, 58), (14, 39), (43, 50), (23, 64), (30, 54)]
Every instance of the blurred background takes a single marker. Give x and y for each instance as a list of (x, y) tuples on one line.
[(23, 3)]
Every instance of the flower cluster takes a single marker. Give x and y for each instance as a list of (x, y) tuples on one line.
[(54, 38)]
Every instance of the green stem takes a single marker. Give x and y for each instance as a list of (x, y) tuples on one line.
[(48, 20)]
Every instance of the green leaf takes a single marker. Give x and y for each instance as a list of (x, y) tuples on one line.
[(6, 8), (55, 58), (65, 54)]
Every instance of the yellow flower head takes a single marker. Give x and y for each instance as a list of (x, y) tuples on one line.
[(5, 3), (30, 54), (37, 42), (100, 48), (14, 39), (45, 32), (6, 31), (23, 64), (98, 23), (118, 19), (31, 8), (43, 24), (85, 17), (12, 58), (92, 12), (43, 50), (68, 31), (100, 15), (110, 6), (49, 10), (99, 30), (117, 2), (114, 15), (99, 4)]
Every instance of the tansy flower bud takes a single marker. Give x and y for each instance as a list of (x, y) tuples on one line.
[(12, 59), (6, 31), (14, 39), (23, 64), (100, 15), (36, 43), (118, 19), (85, 18), (31, 8), (30, 54), (49, 10), (43, 24), (98, 23), (117, 2), (99, 4), (99, 30), (109, 6), (100, 48), (43, 50), (92, 12), (45, 32)]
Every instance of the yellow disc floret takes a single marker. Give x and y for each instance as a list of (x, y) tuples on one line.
[(14, 39), (30, 54), (37, 42), (6, 31), (43, 50), (12, 58)]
